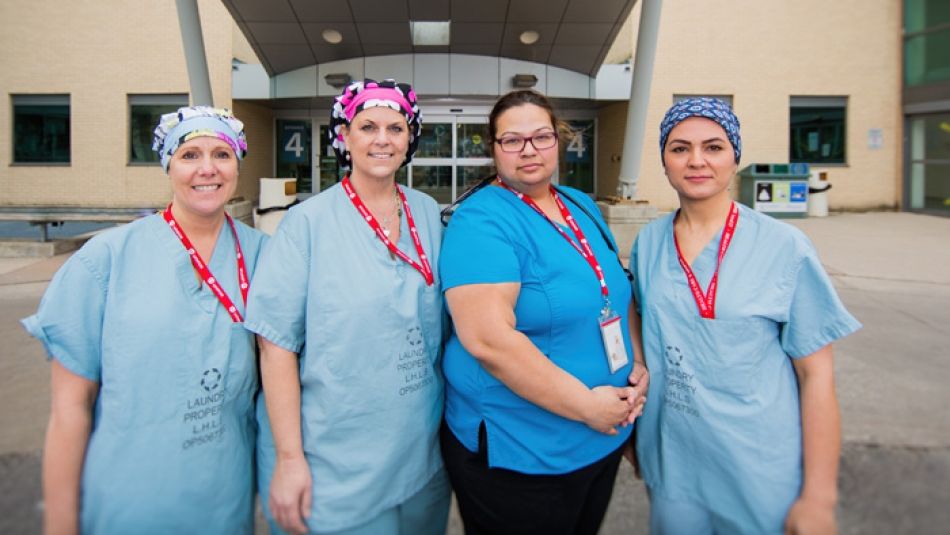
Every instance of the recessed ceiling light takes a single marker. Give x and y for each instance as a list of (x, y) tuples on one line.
[(332, 36), (429, 33), (529, 37)]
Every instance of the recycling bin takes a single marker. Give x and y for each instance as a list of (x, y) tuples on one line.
[(777, 189)]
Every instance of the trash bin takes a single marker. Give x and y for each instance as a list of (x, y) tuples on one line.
[(777, 189), (277, 196), (817, 194)]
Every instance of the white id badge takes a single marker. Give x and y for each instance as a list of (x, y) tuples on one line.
[(612, 334)]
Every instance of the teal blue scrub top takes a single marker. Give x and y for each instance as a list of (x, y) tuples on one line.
[(494, 237), (172, 443), (369, 332), (722, 426)]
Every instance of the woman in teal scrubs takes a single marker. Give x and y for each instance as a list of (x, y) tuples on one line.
[(741, 431), (348, 310), (544, 371), (153, 374)]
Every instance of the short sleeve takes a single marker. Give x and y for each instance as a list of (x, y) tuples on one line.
[(276, 303), (476, 249), (69, 319), (816, 316)]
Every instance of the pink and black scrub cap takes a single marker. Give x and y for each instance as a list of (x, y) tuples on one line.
[(190, 122), (369, 94)]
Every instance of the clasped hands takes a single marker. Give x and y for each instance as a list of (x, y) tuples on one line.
[(610, 407)]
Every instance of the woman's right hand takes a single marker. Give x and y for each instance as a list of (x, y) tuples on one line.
[(290, 494), (608, 407)]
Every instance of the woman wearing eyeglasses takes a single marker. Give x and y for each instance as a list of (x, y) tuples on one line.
[(543, 370)]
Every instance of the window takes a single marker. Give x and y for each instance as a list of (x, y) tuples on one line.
[(144, 113), (41, 129), (926, 41), (725, 98), (817, 130)]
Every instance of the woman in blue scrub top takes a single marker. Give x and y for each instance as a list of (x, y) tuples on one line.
[(349, 314), (153, 374), (540, 373), (741, 431)]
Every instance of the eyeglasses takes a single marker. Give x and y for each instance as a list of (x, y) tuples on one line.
[(544, 140)]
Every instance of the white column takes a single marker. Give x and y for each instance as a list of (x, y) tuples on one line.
[(639, 97), (190, 23)]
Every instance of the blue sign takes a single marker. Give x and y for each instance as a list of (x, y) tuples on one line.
[(799, 191), (294, 142)]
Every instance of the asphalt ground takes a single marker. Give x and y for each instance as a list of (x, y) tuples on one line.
[(891, 269)]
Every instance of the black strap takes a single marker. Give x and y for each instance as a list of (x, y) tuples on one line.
[(450, 209), (447, 212), (603, 233)]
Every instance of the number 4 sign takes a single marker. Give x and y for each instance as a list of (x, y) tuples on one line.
[(578, 148), (294, 144)]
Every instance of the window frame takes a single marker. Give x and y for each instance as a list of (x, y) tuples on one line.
[(175, 100), (823, 102), (35, 99)]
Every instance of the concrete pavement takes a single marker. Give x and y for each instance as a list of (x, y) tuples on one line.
[(891, 269)]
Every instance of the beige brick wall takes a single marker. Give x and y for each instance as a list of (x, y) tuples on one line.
[(98, 52), (762, 53), (259, 128)]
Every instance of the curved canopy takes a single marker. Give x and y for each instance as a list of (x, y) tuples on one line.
[(290, 34)]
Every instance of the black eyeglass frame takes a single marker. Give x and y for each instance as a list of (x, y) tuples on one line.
[(526, 140)]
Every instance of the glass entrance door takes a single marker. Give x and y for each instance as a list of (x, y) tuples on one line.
[(327, 168), (928, 185), (452, 156)]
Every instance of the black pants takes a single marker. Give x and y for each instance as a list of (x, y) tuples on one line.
[(496, 501)]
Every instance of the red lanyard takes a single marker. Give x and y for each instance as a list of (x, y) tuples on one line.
[(203, 270), (707, 303), (422, 266), (584, 247)]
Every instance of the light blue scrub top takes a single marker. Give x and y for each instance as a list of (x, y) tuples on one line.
[(722, 426), (171, 448), (369, 333), (494, 237)]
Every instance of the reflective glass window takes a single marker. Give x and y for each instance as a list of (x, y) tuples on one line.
[(435, 141), (434, 180), (472, 140), (817, 130), (144, 113), (927, 57), (41, 126), (929, 180)]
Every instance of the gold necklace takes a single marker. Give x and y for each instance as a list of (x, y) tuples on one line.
[(398, 213)]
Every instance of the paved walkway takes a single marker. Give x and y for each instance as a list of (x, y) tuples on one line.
[(891, 269)]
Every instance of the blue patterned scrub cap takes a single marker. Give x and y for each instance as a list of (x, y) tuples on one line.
[(190, 122), (708, 107)]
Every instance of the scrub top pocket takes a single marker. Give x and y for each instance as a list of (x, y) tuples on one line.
[(731, 350)]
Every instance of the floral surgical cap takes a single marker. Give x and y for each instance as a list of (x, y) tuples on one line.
[(197, 121), (368, 94), (710, 108)]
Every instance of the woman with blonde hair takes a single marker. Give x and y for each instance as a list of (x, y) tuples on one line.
[(348, 309), (153, 377)]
